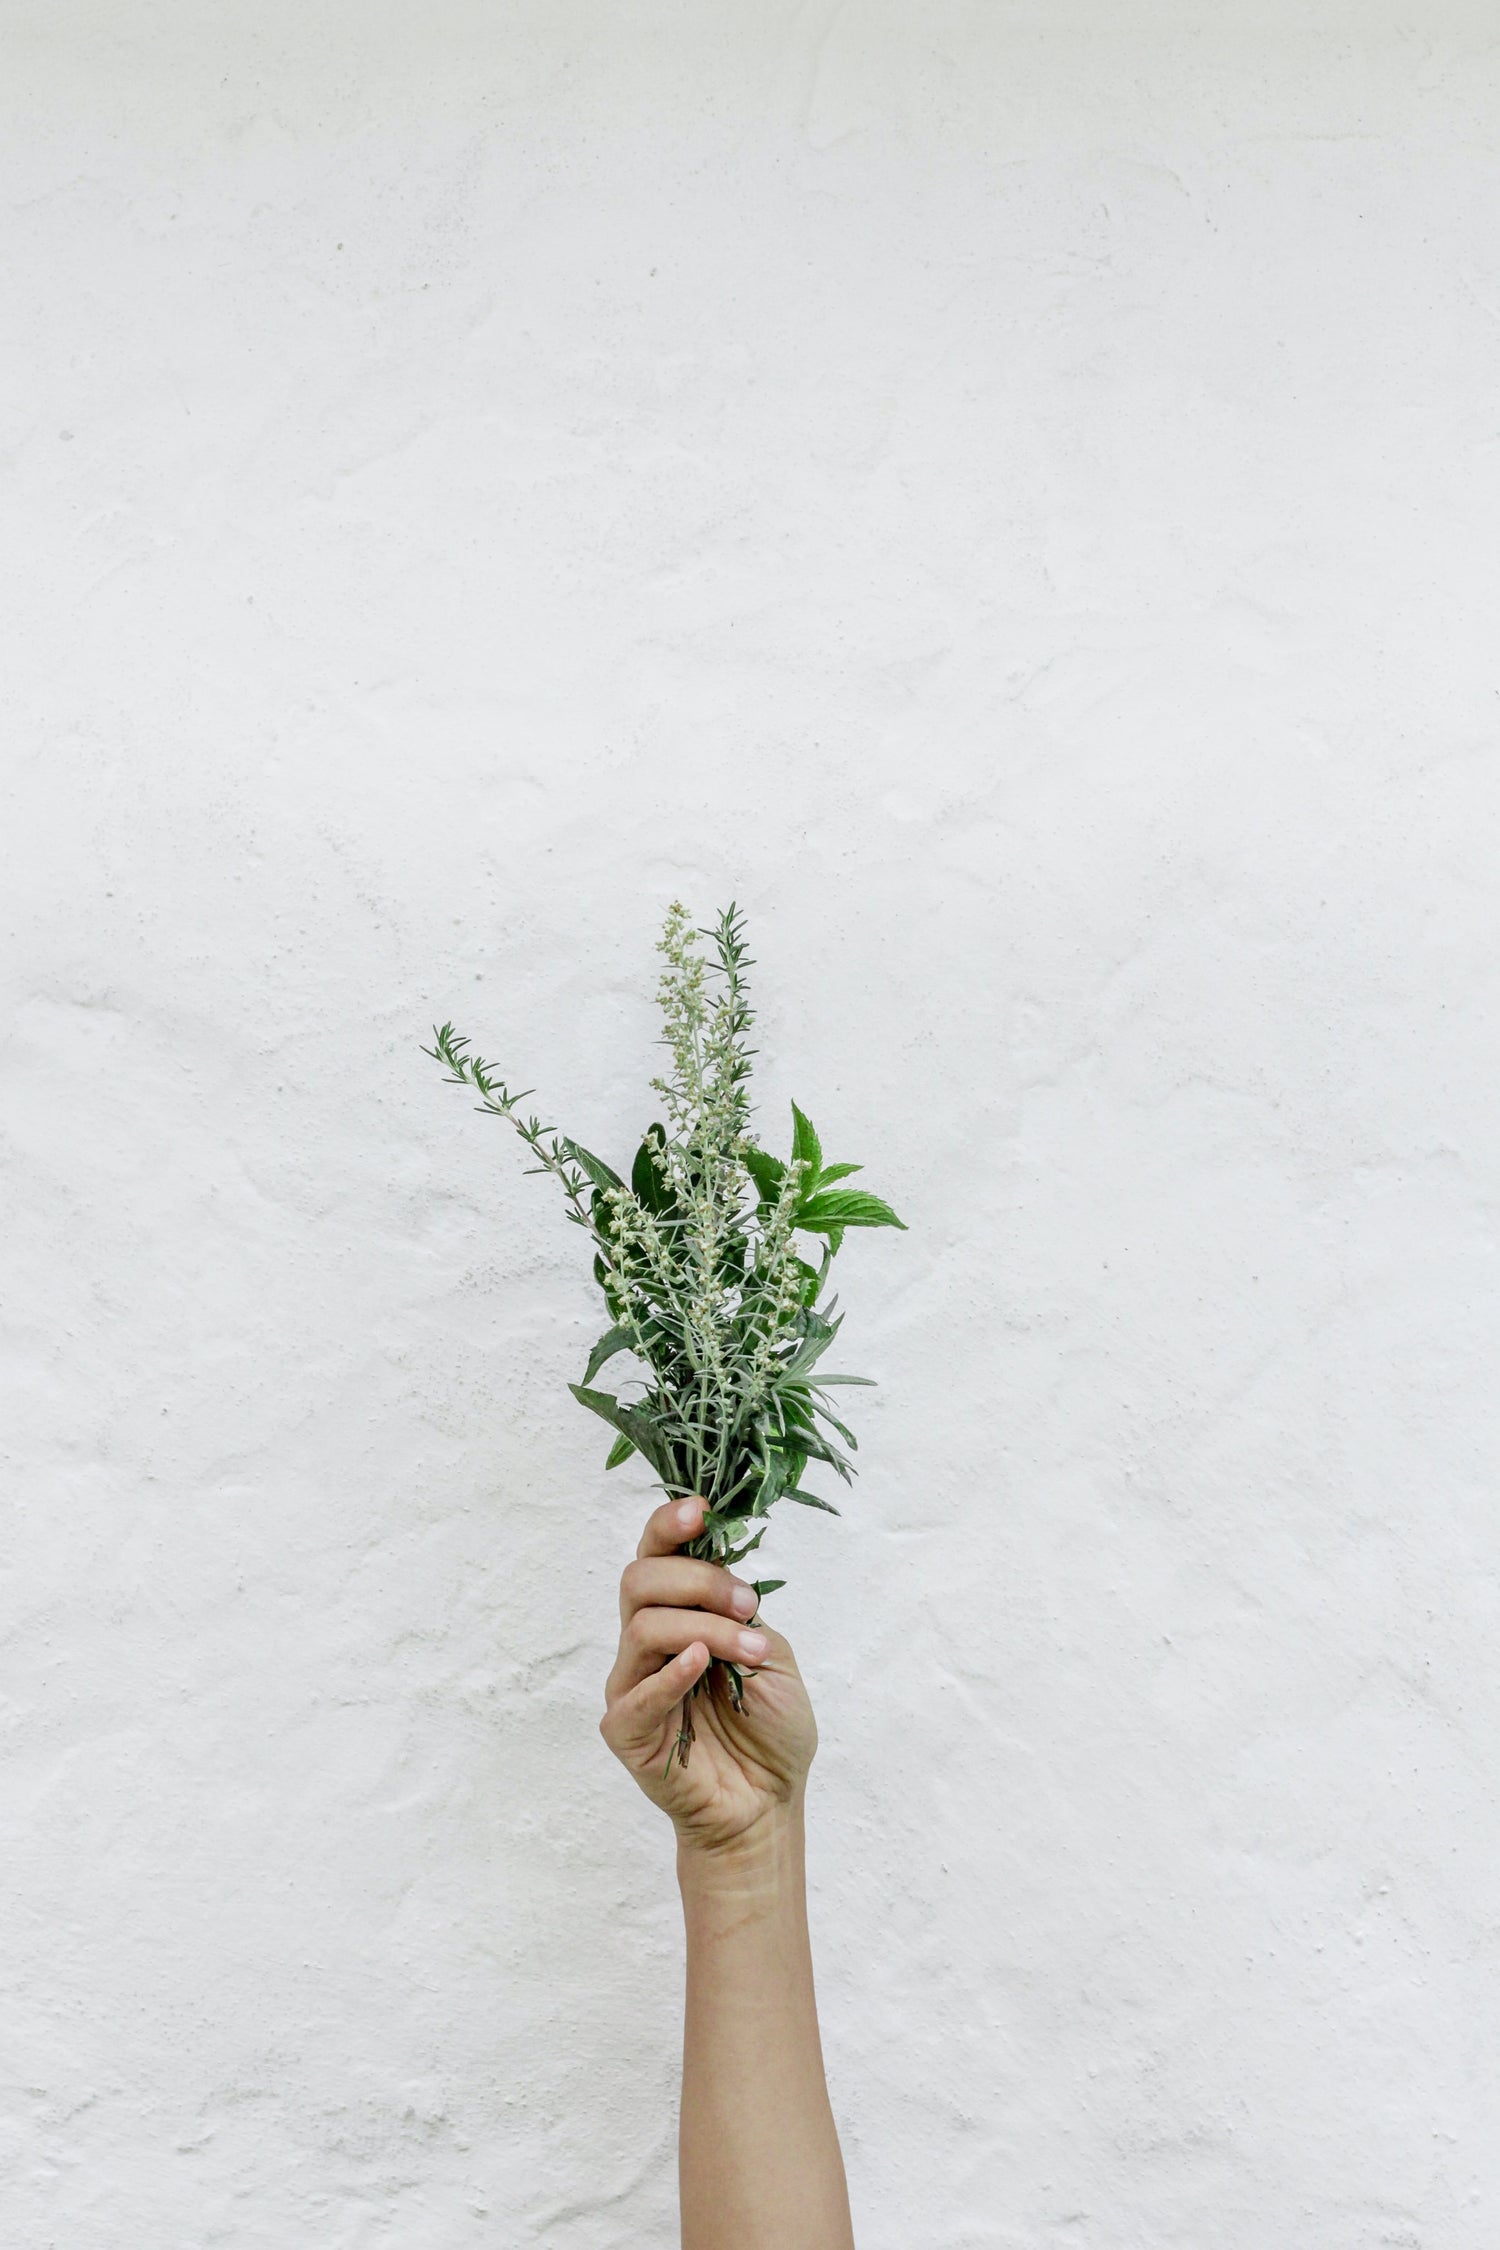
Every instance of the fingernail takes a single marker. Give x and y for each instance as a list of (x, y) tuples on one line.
[(753, 1647), (687, 1514), (744, 1600)]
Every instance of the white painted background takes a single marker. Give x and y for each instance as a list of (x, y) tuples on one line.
[(1017, 507)]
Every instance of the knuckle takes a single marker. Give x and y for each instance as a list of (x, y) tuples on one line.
[(630, 1579), (634, 1637)]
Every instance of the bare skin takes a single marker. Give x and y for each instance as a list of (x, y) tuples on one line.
[(759, 2157)]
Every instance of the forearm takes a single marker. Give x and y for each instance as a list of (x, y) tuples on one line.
[(760, 2161)]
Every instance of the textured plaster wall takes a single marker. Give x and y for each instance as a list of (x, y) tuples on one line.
[(1011, 495)]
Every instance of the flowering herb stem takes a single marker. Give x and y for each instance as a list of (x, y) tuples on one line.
[(699, 1260)]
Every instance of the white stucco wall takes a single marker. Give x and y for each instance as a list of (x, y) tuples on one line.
[(1010, 495)]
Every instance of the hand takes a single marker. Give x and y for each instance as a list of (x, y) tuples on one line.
[(744, 1767)]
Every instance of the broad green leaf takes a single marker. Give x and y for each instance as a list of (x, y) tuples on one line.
[(806, 1145), (613, 1340), (648, 1174), (620, 1451), (846, 1207), (811, 1500), (597, 1170), (766, 1171)]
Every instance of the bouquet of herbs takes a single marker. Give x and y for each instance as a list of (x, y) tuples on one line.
[(700, 1256)]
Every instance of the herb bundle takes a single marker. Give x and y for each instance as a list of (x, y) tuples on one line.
[(699, 1259)]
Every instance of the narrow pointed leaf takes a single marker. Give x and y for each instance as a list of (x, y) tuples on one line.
[(631, 1423), (805, 1143), (817, 1337), (834, 1423), (597, 1170), (738, 1554), (771, 1484), (620, 1451), (613, 1340), (811, 1500)]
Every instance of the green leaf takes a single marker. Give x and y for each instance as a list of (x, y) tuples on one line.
[(648, 1175), (806, 1145), (795, 1462), (770, 1484), (597, 1170), (811, 1500), (767, 1173), (764, 1586), (817, 1335), (833, 1172), (631, 1423), (819, 1448), (846, 1207), (833, 1422), (620, 1451), (735, 1555), (804, 1438), (812, 1281), (613, 1340), (868, 1382)]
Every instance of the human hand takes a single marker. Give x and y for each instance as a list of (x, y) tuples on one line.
[(745, 1767)]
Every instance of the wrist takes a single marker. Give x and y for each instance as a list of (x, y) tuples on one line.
[(765, 1859)]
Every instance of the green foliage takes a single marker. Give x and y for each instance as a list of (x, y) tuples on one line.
[(698, 1259)]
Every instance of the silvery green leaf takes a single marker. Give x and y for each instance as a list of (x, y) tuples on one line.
[(847, 1435), (597, 1170)]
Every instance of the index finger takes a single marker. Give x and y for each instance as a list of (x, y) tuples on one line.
[(668, 1526)]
